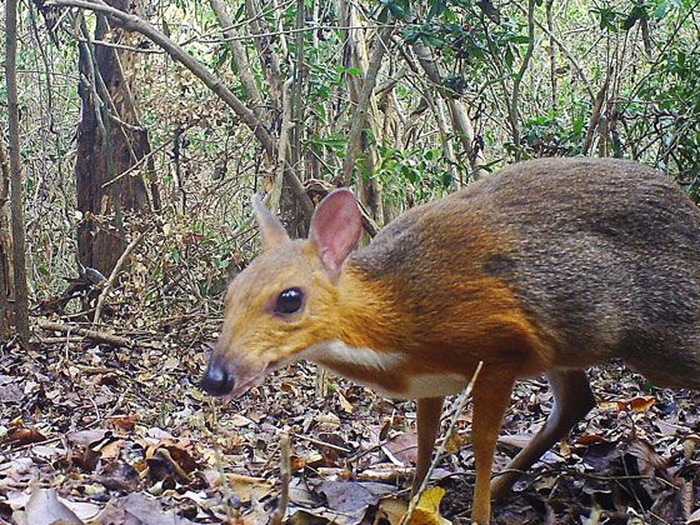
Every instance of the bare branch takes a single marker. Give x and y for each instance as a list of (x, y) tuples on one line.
[(93, 335), (113, 276), (134, 23), (359, 121)]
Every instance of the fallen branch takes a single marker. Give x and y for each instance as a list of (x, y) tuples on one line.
[(113, 276), (93, 335)]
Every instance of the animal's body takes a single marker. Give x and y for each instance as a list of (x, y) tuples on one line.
[(548, 266)]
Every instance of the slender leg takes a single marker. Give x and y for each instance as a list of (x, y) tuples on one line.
[(573, 399), (428, 418), (491, 398)]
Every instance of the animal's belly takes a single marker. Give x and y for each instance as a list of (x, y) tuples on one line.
[(424, 385)]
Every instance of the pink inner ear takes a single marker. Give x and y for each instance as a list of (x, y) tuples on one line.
[(336, 228)]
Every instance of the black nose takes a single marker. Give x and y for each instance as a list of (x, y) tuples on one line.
[(217, 380)]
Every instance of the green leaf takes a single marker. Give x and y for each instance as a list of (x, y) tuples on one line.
[(520, 39), (436, 8), (579, 125), (446, 179), (410, 174), (509, 58), (607, 18), (411, 34), (638, 12)]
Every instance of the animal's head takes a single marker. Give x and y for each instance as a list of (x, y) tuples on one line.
[(285, 301)]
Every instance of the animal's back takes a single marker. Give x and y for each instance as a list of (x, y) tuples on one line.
[(603, 256)]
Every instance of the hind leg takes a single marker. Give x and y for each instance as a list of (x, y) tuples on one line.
[(573, 399)]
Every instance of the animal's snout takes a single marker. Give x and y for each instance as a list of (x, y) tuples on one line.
[(217, 380)]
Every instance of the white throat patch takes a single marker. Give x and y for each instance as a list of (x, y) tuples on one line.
[(337, 352)]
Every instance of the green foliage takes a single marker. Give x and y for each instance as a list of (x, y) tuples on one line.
[(612, 19), (674, 86), (415, 176), (553, 135), (461, 31)]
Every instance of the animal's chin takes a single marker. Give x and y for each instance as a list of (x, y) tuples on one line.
[(250, 380)]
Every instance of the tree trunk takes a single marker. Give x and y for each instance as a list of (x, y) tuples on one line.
[(111, 147)]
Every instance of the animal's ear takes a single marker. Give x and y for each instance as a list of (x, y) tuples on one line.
[(335, 230), (271, 228)]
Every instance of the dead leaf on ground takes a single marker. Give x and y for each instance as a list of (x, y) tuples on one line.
[(427, 512), (403, 447), (24, 436), (637, 404), (141, 509), (44, 508)]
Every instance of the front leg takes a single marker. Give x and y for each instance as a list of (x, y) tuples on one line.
[(491, 398), (428, 422)]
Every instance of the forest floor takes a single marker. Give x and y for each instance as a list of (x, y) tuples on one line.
[(92, 433)]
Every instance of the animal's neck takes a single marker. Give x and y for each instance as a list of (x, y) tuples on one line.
[(372, 317), (366, 340)]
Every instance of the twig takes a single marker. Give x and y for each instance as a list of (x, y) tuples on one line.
[(131, 49), (564, 50), (285, 475), (94, 335), (461, 402), (307, 29), (115, 271), (139, 162), (322, 443)]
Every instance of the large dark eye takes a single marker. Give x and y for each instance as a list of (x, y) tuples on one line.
[(289, 301)]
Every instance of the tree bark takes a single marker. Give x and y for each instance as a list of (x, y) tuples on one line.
[(111, 141)]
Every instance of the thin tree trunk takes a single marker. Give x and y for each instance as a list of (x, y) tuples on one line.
[(16, 197), (513, 109), (365, 117), (359, 122), (240, 58), (5, 242), (552, 55)]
